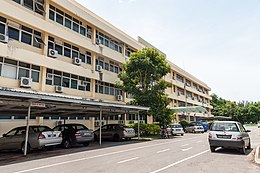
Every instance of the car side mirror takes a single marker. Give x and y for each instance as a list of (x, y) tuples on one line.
[(248, 130), (4, 135)]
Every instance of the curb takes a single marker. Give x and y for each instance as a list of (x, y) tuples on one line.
[(257, 159)]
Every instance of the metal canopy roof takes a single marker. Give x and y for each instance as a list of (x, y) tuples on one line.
[(193, 109), (17, 101)]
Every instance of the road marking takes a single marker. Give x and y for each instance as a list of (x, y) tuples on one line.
[(96, 156), (163, 150), (198, 141), (180, 161), (186, 149), (123, 161), (185, 145)]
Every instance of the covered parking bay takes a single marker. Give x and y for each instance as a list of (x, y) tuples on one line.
[(30, 103)]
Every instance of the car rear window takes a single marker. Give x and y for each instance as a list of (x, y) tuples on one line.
[(41, 128), (232, 127), (81, 127)]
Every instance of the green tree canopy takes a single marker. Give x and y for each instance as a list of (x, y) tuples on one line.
[(142, 78)]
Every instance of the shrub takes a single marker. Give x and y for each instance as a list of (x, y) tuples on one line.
[(146, 129)]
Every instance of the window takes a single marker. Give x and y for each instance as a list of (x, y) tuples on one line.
[(128, 51), (67, 80), (107, 88), (34, 5), (2, 28), (179, 78), (15, 70), (69, 50), (109, 42), (69, 21), (13, 33), (26, 38)]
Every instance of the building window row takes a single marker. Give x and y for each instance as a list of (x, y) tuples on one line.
[(68, 50), (180, 91), (20, 33), (70, 22), (179, 78), (34, 5), (108, 42), (128, 51), (16, 69), (67, 80), (107, 88), (109, 66)]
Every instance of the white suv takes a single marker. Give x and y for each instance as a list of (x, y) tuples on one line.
[(229, 134)]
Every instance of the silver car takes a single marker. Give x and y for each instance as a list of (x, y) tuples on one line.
[(194, 128), (175, 129), (39, 137), (229, 134)]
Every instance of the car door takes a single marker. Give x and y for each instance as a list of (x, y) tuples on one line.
[(6, 142), (19, 137), (244, 134)]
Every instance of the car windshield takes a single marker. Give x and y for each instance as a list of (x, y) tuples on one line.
[(232, 127)]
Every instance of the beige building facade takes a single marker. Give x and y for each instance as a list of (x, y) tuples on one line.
[(60, 47)]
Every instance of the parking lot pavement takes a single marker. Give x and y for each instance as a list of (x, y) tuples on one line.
[(179, 154)]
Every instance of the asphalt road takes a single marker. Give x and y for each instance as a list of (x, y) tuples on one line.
[(179, 155)]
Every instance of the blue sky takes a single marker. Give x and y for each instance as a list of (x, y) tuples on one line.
[(218, 41)]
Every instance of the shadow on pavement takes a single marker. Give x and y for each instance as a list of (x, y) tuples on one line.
[(232, 151), (11, 157)]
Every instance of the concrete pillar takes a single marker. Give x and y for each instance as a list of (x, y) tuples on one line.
[(92, 123), (188, 118), (93, 36), (43, 78), (92, 88), (149, 119)]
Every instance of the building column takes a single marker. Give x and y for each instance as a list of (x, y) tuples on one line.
[(93, 87), (47, 7), (188, 117), (92, 123), (149, 119), (93, 35), (43, 78)]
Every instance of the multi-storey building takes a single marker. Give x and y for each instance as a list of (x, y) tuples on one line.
[(60, 47)]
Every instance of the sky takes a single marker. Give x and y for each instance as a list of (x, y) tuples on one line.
[(217, 41)]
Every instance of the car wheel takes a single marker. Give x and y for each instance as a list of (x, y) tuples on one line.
[(193, 131), (95, 137), (116, 138), (212, 149), (182, 134), (86, 144), (249, 145), (66, 143), (243, 150), (28, 148)]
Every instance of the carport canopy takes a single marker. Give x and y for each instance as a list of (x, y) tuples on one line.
[(189, 109), (26, 103)]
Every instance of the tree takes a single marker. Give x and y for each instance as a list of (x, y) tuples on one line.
[(142, 78)]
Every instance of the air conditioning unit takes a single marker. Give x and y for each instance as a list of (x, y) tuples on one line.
[(26, 82), (49, 76), (4, 38), (59, 89), (119, 97), (77, 61), (53, 53), (83, 83), (99, 68), (98, 41)]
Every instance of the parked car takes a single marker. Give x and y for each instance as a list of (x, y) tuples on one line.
[(39, 137), (115, 132), (175, 129), (194, 128), (202, 123), (229, 134), (75, 134)]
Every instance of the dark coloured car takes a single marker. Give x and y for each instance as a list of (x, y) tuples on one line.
[(39, 137), (75, 134), (115, 132)]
